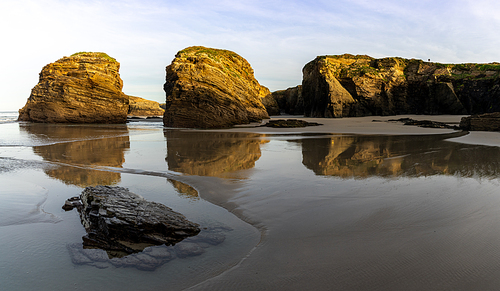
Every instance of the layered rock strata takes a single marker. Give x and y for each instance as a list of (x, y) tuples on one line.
[(143, 107), (348, 85), (481, 122), (211, 88), (82, 88), (120, 221)]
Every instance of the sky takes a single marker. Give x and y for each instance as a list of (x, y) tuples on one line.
[(276, 37)]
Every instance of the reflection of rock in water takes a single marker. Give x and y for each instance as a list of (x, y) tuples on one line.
[(83, 177), (152, 257), (387, 156), (82, 146), (184, 189), (211, 153)]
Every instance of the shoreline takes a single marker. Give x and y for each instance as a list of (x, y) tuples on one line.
[(301, 214), (382, 126), (277, 262)]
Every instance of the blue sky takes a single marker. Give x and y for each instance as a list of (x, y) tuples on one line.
[(277, 37)]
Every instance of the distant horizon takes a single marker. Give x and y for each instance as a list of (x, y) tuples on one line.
[(277, 38)]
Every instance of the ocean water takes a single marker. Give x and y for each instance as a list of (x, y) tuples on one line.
[(316, 211), (8, 116), (42, 165)]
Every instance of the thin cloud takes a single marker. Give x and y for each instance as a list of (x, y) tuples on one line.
[(277, 37)]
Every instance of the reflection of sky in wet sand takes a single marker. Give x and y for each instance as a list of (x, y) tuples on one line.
[(58, 161), (22, 202), (349, 211)]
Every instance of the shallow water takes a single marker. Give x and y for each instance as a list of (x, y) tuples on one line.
[(41, 165), (317, 211)]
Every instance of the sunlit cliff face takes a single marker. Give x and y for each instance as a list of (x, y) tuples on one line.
[(74, 150)]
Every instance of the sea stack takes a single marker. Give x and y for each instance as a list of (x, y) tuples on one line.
[(83, 88), (143, 107), (211, 88), (359, 85)]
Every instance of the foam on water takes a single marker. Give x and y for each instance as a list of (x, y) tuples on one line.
[(8, 116)]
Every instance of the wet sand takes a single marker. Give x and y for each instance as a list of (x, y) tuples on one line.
[(424, 232), (349, 205)]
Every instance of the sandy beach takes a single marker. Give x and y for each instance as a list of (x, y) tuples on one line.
[(429, 232), (354, 204)]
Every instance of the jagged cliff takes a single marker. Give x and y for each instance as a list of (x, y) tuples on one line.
[(83, 88), (143, 107), (211, 88), (349, 85)]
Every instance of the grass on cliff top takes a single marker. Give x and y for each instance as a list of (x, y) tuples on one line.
[(217, 55), (346, 56), (359, 65), (98, 54), (210, 52)]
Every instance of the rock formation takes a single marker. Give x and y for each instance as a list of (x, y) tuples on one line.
[(143, 107), (348, 85), (423, 123), (289, 123), (482, 122), (290, 100), (211, 88), (271, 105), (82, 88), (120, 221)]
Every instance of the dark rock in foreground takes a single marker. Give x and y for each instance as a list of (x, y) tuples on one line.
[(482, 122), (122, 222), (290, 123)]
